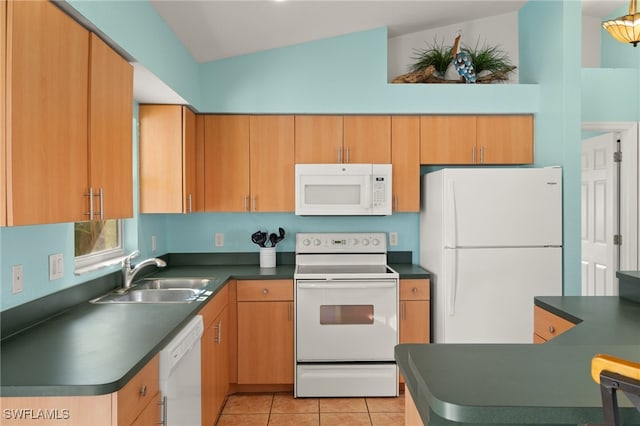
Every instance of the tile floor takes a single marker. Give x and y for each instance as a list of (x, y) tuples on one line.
[(283, 409)]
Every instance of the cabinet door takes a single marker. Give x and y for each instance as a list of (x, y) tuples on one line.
[(160, 158), (152, 414), (405, 157), (272, 163), (198, 205), (414, 321), (47, 71), (110, 129), (188, 160), (3, 104), (226, 151), (447, 139), (215, 367), (367, 139), (505, 139), (318, 138), (265, 342)]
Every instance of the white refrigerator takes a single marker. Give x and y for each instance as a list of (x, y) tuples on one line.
[(492, 240)]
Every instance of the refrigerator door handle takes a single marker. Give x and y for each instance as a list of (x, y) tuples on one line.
[(451, 263), (451, 224)]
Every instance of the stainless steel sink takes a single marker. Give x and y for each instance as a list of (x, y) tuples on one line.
[(173, 283), (184, 295)]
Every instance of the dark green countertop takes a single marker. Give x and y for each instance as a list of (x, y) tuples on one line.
[(525, 384), (94, 349)]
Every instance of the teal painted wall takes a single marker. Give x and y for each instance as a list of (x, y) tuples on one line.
[(550, 34)]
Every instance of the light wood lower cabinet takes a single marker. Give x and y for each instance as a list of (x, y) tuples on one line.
[(547, 326), (265, 331), (215, 356), (415, 308), (137, 403)]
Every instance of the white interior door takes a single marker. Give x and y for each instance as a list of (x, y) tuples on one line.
[(599, 210)]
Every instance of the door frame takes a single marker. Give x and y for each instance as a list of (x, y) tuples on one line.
[(629, 199)]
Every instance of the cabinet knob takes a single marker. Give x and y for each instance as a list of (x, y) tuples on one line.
[(143, 390), (414, 290), (552, 329), (265, 291)]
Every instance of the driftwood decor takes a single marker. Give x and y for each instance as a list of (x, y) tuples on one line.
[(429, 75)]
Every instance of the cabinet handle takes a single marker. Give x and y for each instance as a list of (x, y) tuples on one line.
[(190, 204), (101, 204), (403, 311), (143, 390), (395, 202), (218, 338), (552, 329), (245, 203), (414, 290), (339, 154), (265, 291), (289, 311), (90, 195), (473, 155), (482, 155), (253, 203), (347, 155), (164, 411)]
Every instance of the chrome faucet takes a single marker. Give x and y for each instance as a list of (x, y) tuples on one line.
[(128, 273)]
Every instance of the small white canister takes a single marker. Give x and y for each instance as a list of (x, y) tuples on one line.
[(267, 257)]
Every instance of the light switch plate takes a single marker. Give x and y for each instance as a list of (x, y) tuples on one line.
[(154, 243), (56, 266), (219, 239), (393, 238), (17, 274)]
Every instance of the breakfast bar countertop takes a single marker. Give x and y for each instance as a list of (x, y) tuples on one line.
[(483, 384)]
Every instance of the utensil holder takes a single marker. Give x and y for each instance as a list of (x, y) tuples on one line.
[(267, 257)]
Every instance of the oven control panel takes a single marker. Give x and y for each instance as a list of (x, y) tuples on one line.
[(351, 242)]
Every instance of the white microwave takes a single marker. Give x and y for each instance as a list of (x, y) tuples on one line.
[(343, 189)]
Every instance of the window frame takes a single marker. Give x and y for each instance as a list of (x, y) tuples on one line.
[(99, 259)]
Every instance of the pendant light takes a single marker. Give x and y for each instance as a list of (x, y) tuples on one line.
[(626, 29)]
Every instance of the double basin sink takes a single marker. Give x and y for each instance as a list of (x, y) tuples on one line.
[(159, 290)]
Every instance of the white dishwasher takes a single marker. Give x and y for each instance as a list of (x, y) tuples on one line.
[(180, 381)]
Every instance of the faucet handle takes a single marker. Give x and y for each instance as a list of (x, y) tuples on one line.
[(127, 259)]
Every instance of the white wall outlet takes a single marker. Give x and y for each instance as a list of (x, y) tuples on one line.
[(56, 266), (393, 238), (154, 243), (219, 239), (17, 279)]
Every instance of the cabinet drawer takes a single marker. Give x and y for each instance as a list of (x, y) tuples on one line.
[(263, 290), (548, 325), (417, 289), (137, 394), (213, 308)]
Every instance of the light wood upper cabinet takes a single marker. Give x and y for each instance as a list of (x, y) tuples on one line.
[(405, 157), (318, 139), (47, 115), (272, 163), (467, 139), (68, 120), (249, 163), (367, 139), (505, 139), (198, 205), (447, 139), (226, 170), (167, 159), (110, 129)]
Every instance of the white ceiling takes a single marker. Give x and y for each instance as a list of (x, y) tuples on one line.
[(216, 29)]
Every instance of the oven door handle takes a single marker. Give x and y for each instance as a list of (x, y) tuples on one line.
[(345, 285)]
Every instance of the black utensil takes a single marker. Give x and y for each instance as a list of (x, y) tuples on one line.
[(259, 238), (273, 238), (281, 236)]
